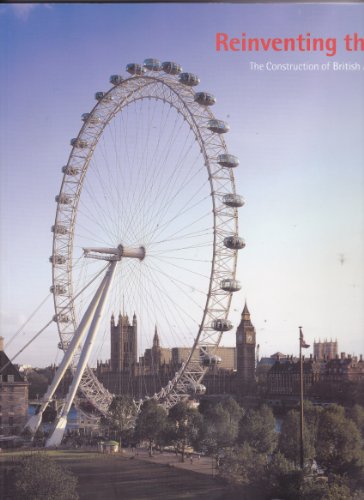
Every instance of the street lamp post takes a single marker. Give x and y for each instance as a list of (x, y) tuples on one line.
[(303, 345)]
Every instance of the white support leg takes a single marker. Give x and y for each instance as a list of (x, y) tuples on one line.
[(35, 420), (57, 435)]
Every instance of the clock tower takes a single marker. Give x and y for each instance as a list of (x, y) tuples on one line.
[(245, 350)]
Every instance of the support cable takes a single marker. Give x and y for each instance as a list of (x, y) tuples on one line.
[(27, 321), (51, 321)]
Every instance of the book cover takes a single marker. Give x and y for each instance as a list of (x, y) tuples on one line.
[(169, 171)]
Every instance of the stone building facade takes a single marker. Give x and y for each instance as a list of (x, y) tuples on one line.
[(13, 396), (328, 349), (123, 373), (283, 378)]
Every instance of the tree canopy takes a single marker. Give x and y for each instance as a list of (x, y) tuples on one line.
[(38, 477), (150, 423)]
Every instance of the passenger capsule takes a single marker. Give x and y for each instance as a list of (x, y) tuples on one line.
[(58, 290), (189, 79), (57, 259), (197, 389), (230, 285), (152, 64), (221, 325), (135, 69), (205, 99), (79, 143), (229, 161), (234, 242), (103, 96), (63, 345), (211, 360), (233, 200), (91, 118), (116, 79), (69, 170), (218, 126), (172, 68), (59, 229), (63, 199), (61, 318)]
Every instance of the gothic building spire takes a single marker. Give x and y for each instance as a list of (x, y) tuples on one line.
[(245, 314), (156, 337)]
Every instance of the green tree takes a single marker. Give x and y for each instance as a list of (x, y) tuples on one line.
[(319, 489), (185, 426), (356, 413), (289, 438), (244, 469), (257, 428), (150, 423), (39, 477), (283, 477), (220, 428), (121, 417), (339, 445), (38, 384)]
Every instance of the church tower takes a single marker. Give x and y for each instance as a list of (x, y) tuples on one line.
[(123, 343), (245, 350), (156, 352)]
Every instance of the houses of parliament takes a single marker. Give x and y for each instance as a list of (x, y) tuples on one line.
[(124, 373)]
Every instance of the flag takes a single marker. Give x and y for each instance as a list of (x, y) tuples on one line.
[(302, 341)]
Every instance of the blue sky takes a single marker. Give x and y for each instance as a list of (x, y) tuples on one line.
[(298, 136)]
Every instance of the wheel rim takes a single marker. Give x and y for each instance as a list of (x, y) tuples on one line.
[(117, 112)]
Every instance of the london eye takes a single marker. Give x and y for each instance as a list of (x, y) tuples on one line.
[(146, 222)]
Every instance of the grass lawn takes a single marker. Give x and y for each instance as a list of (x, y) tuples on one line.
[(109, 477)]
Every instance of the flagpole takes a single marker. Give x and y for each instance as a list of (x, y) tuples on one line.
[(301, 400)]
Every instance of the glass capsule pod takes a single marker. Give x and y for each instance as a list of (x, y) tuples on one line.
[(198, 389), (234, 242), (59, 229), (90, 118), (61, 318), (69, 170), (222, 325), (211, 360), (103, 96), (57, 259), (233, 200), (205, 99), (135, 69), (229, 285), (63, 345), (227, 160), (63, 199), (79, 143), (218, 126), (172, 68), (116, 79), (58, 290), (152, 64), (189, 79)]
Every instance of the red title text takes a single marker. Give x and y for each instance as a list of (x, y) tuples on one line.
[(301, 43)]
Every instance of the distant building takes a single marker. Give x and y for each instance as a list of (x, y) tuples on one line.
[(13, 396), (124, 346), (283, 378), (124, 374), (325, 350), (245, 351), (345, 368), (265, 364)]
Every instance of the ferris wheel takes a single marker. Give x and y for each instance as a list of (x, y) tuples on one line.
[(147, 223)]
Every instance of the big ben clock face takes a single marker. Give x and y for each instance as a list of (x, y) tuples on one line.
[(249, 338), (240, 337)]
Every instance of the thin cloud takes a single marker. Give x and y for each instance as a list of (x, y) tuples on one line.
[(23, 10)]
